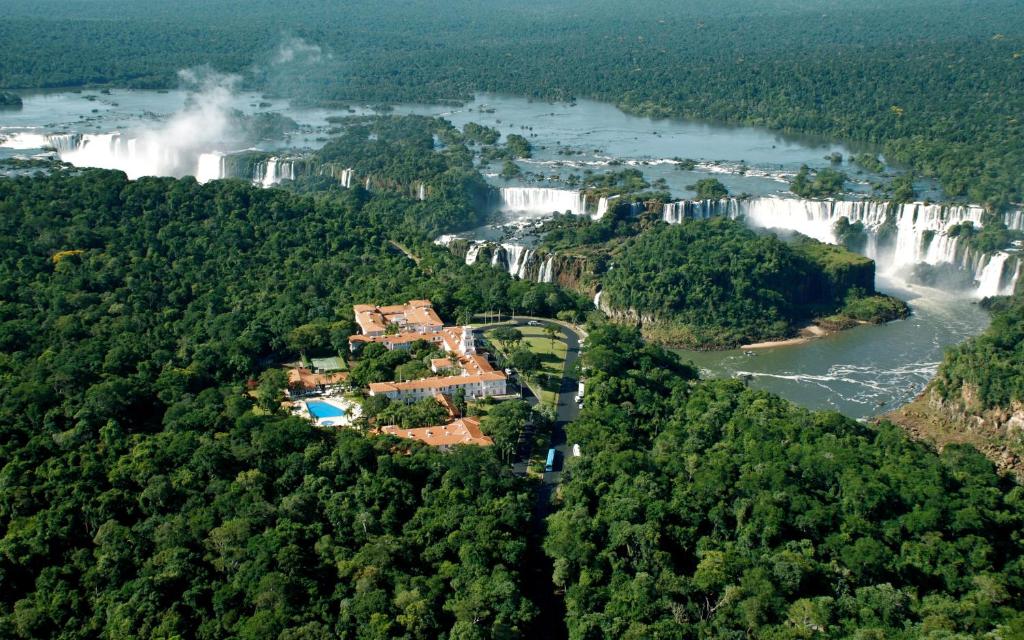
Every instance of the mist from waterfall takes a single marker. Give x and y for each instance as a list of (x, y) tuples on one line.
[(171, 148)]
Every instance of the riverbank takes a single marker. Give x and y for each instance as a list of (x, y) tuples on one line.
[(808, 333), (941, 424)]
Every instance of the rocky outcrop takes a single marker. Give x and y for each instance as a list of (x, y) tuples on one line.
[(997, 433)]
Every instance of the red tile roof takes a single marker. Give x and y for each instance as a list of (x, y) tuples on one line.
[(306, 379), (461, 431)]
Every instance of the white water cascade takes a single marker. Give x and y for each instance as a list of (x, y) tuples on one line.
[(547, 270), (422, 192), (137, 157), (517, 259), (24, 140), (990, 282), (917, 231), (211, 166), (540, 200), (272, 171), (474, 251), (602, 206), (346, 178), (597, 299)]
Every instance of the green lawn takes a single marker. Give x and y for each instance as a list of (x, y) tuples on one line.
[(552, 355)]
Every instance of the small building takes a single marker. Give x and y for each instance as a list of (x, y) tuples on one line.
[(303, 381), (415, 316), (479, 385), (464, 430)]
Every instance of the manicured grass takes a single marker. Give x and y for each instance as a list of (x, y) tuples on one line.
[(552, 356)]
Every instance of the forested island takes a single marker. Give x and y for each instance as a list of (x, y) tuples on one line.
[(708, 284), (715, 283), (9, 100)]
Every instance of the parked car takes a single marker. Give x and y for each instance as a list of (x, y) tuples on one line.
[(533, 323)]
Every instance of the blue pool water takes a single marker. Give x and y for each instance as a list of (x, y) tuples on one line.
[(324, 410)]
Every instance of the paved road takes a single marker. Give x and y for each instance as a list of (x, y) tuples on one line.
[(537, 577), (567, 409)]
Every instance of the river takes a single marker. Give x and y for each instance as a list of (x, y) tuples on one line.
[(864, 371), (598, 136)]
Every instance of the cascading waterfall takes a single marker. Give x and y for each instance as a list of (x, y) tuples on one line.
[(602, 206), (422, 192), (915, 232), (344, 176), (136, 157), (211, 166), (676, 212), (541, 200), (64, 142), (990, 282), (597, 299), (516, 257), (272, 171), (25, 140), (1014, 219), (547, 270), (474, 251)]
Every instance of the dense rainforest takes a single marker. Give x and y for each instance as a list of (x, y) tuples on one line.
[(935, 83), (707, 510), (146, 495)]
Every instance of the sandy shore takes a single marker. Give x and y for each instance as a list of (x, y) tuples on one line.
[(808, 333)]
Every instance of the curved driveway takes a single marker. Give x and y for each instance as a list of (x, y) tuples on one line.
[(567, 409)]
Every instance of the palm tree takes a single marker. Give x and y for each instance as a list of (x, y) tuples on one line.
[(550, 331)]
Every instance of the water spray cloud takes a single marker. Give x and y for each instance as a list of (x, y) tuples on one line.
[(173, 147)]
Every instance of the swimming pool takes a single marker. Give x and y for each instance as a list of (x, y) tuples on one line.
[(324, 409)]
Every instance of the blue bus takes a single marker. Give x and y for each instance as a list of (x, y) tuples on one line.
[(550, 464)]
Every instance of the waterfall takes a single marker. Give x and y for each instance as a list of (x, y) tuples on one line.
[(1014, 220), (367, 183), (990, 282), (273, 171), (547, 270), (211, 166), (539, 200), (136, 157), (898, 235), (64, 142), (602, 206), (597, 299), (26, 140), (422, 193), (676, 212), (346, 178), (517, 258), (474, 251)]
